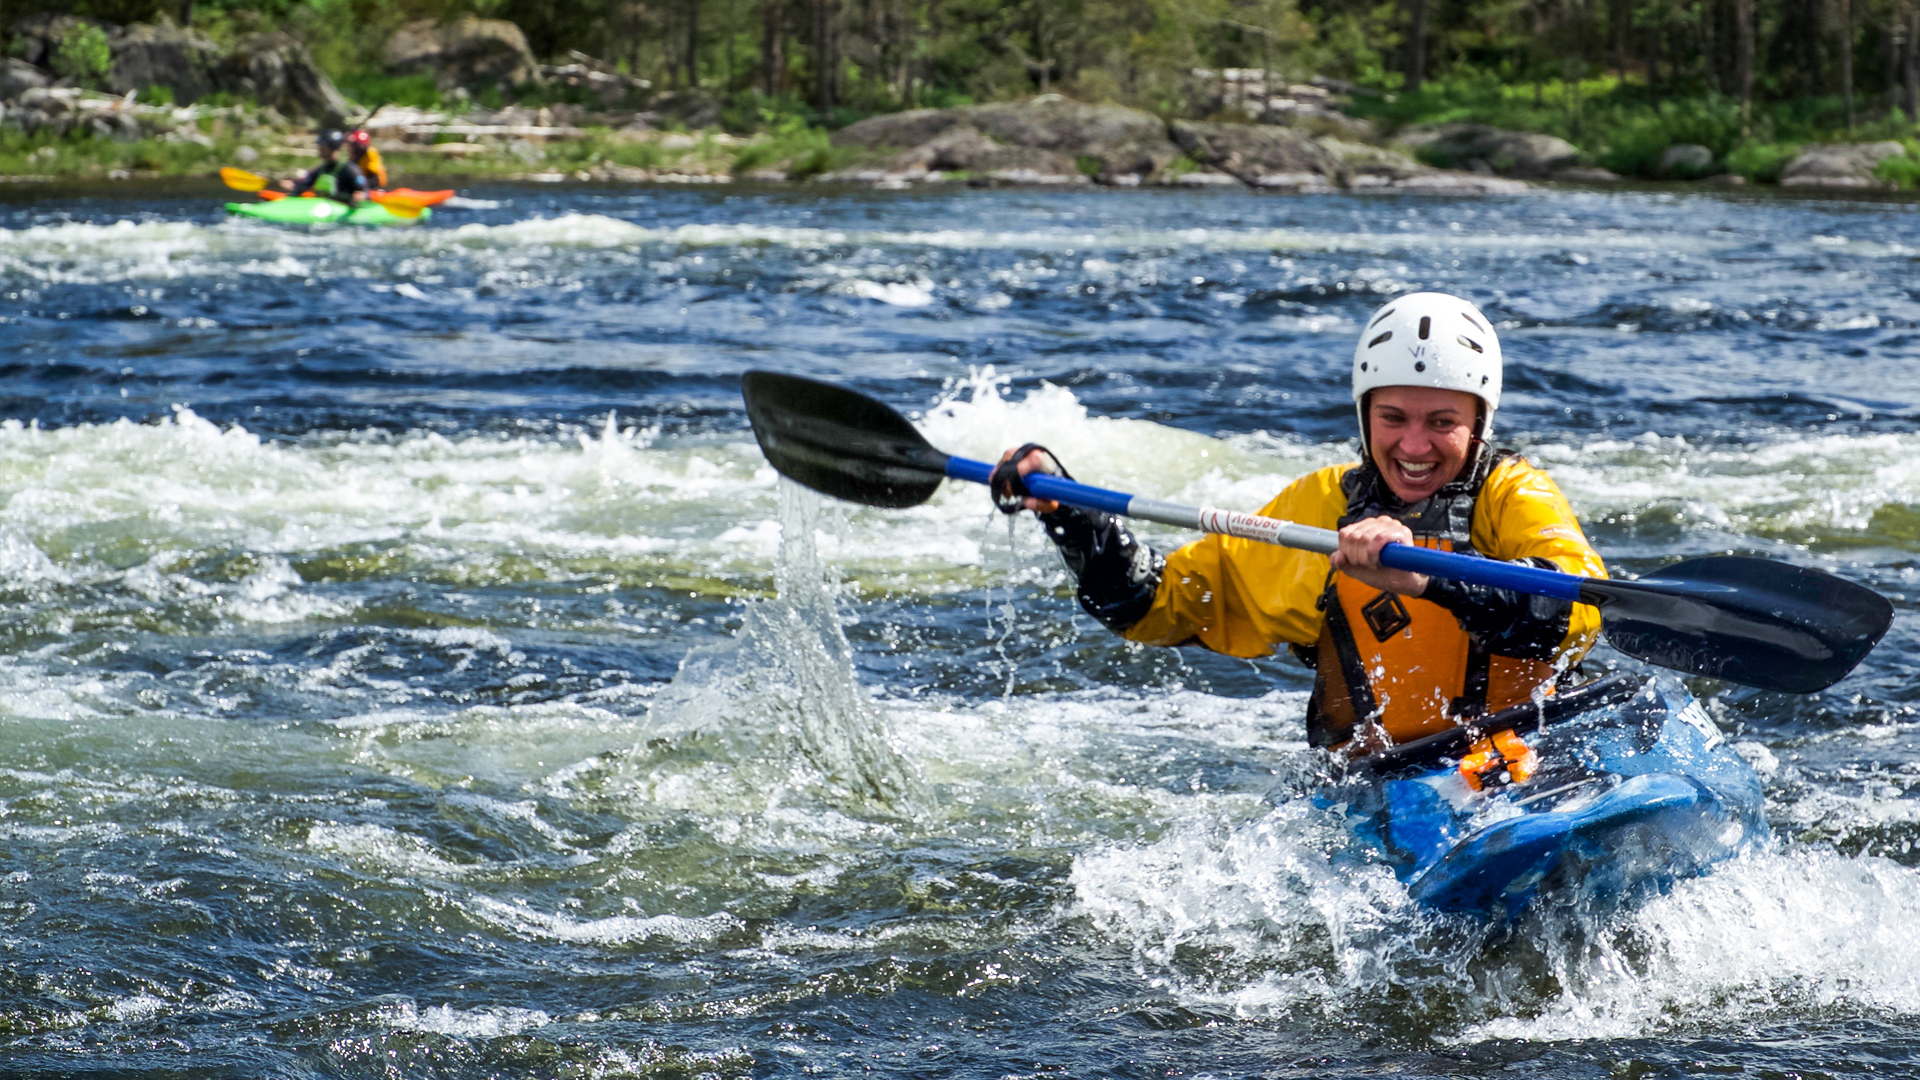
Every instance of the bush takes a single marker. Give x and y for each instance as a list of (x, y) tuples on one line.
[(1902, 172), (156, 95), (83, 55), (374, 88), (1762, 162)]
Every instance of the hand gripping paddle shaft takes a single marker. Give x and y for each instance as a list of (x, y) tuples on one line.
[(1753, 621)]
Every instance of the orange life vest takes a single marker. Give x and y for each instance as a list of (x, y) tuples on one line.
[(1401, 660), (375, 169)]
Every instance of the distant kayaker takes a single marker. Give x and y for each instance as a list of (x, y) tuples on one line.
[(334, 178), (366, 158), (1395, 654)]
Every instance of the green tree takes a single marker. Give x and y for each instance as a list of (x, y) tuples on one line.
[(83, 54)]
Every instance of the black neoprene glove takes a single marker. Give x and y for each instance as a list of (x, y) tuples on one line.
[(1117, 575), (1504, 621)]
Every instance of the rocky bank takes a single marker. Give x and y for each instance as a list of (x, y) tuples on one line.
[(1054, 140), (1287, 138)]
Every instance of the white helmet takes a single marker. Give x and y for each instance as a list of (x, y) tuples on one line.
[(1428, 339)]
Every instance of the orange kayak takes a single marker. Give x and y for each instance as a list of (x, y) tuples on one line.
[(424, 198)]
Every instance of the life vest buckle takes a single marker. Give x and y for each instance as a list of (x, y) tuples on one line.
[(1498, 760)]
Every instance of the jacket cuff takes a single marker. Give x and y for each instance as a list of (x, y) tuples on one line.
[(1117, 576)]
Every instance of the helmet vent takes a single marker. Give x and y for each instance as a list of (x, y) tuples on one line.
[(1377, 318), (1426, 324), (1363, 365), (1388, 336), (1419, 365), (1471, 344), (1474, 321)]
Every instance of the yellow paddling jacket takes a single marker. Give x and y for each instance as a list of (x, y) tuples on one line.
[(375, 169), (1416, 664)]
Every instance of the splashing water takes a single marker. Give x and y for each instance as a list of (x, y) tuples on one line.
[(780, 698), (415, 669)]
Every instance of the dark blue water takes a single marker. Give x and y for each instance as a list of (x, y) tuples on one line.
[(395, 682)]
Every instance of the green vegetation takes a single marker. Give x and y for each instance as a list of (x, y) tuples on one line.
[(83, 55), (1622, 80), (36, 155), (374, 88), (1902, 172), (1626, 127)]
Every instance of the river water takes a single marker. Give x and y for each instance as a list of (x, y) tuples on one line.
[(412, 669)]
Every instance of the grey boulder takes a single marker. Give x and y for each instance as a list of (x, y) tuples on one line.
[(1840, 165), (1261, 156), (186, 63), (278, 71), (470, 52), (1497, 150), (1685, 161)]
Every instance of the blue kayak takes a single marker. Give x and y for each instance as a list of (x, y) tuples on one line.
[(1634, 788)]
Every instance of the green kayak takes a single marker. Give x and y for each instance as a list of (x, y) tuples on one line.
[(322, 212)]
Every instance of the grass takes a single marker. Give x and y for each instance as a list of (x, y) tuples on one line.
[(373, 88), (40, 155)]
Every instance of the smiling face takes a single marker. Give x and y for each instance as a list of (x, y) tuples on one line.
[(1420, 437)]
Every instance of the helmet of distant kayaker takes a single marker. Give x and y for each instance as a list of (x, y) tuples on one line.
[(331, 139), (359, 140)]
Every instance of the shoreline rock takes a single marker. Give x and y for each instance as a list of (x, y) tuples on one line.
[(470, 53), (1481, 148), (273, 69), (1840, 165), (1053, 140)]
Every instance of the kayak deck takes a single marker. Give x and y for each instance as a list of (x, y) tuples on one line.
[(424, 198), (322, 212), (1635, 790)]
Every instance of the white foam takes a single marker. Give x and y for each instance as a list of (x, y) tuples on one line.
[(489, 1022), (1769, 937), (377, 848), (519, 918), (151, 250), (896, 293), (1277, 915)]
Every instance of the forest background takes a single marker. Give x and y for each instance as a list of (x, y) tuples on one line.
[(1620, 79)]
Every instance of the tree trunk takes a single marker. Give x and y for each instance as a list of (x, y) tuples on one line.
[(824, 63), (1416, 45), (771, 60), (1655, 38), (1709, 46), (1846, 59), (1743, 61), (1895, 30), (693, 44), (1810, 58), (1913, 62), (1619, 14)]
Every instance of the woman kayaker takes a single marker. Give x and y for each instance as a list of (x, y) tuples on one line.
[(367, 159), (334, 178), (1395, 654)]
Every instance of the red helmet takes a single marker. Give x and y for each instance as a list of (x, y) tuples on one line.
[(360, 139)]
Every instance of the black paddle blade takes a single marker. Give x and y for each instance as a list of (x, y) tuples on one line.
[(840, 442), (1756, 622)]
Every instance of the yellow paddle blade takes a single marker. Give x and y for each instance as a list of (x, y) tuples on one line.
[(241, 179), (399, 205)]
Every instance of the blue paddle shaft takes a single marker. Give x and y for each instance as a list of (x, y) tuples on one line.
[(1471, 569)]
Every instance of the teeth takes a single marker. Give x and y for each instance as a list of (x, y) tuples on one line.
[(1416, 469)]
